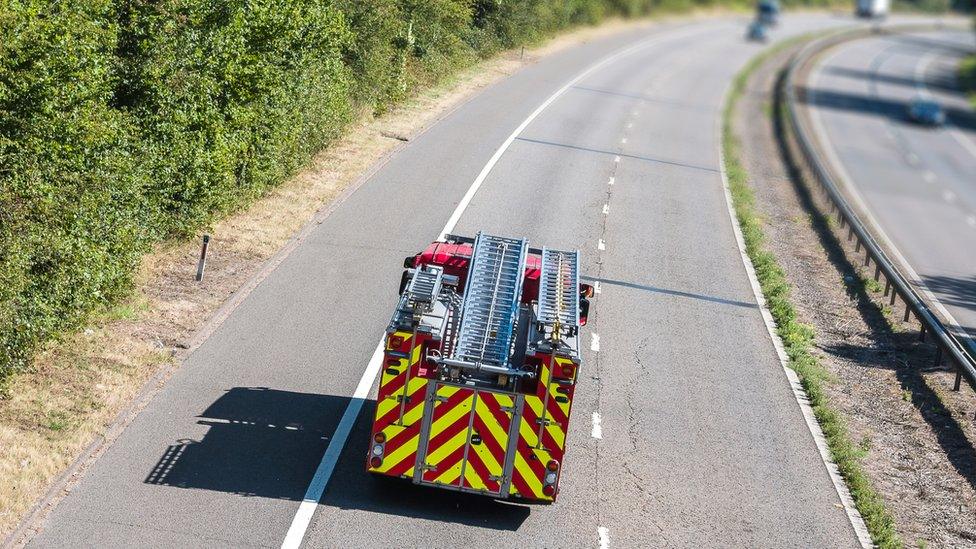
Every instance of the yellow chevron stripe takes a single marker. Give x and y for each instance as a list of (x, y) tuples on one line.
[(553, 393), (384, 406), (473, 478), (529, 476), (494, 468), (445, 449), (489, 420), (557, 434), (417, 388), (405, 335)]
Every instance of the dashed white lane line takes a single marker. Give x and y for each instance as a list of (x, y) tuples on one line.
[(624, 140), (597, 431), (948, 195), (616, 158), (601, 245), (929, 176), (595, 342), (612, 180), (912, 159), (604, 535), (606, 209), (971, 220), (599, 289), (630, 125), (635, 112)]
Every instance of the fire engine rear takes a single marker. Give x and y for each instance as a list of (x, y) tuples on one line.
[(481, 361)]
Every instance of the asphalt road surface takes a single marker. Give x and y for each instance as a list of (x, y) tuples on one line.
[(703, 443), (917, 183)]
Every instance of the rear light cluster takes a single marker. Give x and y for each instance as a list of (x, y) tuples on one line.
[(377, 451), (551, 478)]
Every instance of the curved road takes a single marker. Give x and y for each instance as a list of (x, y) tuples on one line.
[(703, 443), (917, 184)]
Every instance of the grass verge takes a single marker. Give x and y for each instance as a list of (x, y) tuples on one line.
[(798, 337), (967, 77)]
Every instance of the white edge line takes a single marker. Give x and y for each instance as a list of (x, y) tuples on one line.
[(802, 400), (604, 534), (299, 525), (316, 488)]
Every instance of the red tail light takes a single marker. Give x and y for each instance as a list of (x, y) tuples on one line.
[(568, 371), (379, 437), (395, 342), (553, 465), (549, 490), (375, 462)]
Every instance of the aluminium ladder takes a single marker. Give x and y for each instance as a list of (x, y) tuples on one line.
[(491, 300), (558, 289)]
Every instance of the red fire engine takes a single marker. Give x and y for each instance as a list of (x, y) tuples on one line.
[(481, 360)]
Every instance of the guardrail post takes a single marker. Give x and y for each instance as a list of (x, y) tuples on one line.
[(877, 273), (921, 333), (955, 386), (938, 355), (867, 259), (894, 294), (850, 231), (887, 286), (857, 248), (908, 311)]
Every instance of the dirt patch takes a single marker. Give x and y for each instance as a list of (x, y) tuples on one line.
[(85, 388), (916, 434)]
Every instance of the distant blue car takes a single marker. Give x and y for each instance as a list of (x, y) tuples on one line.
[(767, 12), (925, 111), (758, 32)]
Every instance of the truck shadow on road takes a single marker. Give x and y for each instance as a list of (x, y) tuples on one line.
[(268, 443)]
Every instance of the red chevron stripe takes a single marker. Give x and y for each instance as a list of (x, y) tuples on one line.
[(474, 461), (550, 445), (393, 385), (537, 467), (493, 445), (495, 407), (445, 464), (521, 486), (555, 413), (402, 437), (416, 399), (404, 465), (447, 434)]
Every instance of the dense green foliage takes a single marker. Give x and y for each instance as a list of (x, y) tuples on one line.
[(123, 122)]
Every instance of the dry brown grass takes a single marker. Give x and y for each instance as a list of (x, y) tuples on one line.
[(83, 385)]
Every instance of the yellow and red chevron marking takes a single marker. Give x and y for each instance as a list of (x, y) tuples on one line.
[(448, 435), (490, 424), (399, 405), (529, 471)]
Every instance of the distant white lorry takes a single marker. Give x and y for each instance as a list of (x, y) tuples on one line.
[(872, 8)]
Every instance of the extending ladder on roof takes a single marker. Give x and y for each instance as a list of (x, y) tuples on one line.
[(491, 303), (558, 289)]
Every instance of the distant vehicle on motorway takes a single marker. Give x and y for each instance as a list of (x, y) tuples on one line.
[(871, 8), (767, 12), (925, 111), (758, 32)]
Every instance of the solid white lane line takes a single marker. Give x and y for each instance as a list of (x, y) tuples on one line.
[(601, 245), (606, 209), (306, 510), (597, 431), (604, 535), (595, 342), (299, 524)]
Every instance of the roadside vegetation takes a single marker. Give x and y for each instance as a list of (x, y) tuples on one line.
[(967, 77), (798, 337)]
